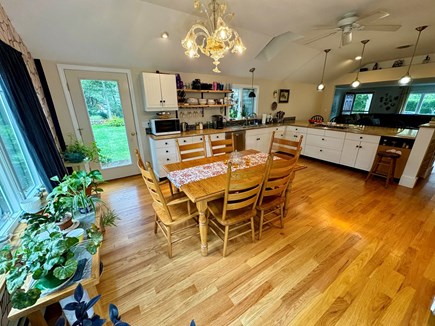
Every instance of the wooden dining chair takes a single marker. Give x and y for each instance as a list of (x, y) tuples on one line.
[(270, 206), (191, 151), (221, 146), (236, 211), (285, 148), (141, 165), (173, 213)]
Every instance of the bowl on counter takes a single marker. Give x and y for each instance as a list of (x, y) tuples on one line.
[(192, 101), (202, 101), (210, 102)]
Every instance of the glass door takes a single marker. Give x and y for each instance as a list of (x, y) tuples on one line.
[(102, 105)]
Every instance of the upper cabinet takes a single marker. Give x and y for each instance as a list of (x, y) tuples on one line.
[(160, 92)]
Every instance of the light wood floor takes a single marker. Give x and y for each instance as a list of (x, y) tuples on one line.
[(351, 253)]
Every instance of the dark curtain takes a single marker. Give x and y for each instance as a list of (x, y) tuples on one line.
[(28, 114)]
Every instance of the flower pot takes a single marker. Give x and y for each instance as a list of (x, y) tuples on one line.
[(86, 220), (74, 157), (66, 222), (48, 282)]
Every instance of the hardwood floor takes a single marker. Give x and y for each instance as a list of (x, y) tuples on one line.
[(350, 253)]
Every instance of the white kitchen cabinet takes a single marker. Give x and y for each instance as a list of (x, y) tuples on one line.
[(162, 152), (159, 91), (258, 139), (219, 136), (294, 133), (324, 144), (359, 150)]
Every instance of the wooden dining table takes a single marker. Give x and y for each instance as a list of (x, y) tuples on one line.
[(202, 191)]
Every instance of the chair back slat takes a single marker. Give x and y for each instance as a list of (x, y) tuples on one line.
[(242, 189), (221, 146), (285, 148), (277, 177), (152, 183), (191, 151)]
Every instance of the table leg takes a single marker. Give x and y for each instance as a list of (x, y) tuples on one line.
[(37, 319), (92, 291), (203, 226), (287, 194)]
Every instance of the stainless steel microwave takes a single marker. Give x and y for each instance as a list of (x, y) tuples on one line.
[(165, 126)]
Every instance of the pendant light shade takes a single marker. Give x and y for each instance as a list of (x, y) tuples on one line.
[(356, 82), (406, 79), (321, 86), (252, 93)]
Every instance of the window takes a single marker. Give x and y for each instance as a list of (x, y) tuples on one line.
[(357, 103), (18, 176), (420, 103), (244, 106)]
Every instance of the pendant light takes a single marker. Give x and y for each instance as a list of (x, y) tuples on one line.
[(252, 93), (407, 78), (356, 82), (321, 86)]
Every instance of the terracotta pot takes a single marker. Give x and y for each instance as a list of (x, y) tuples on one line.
[(66, 222)]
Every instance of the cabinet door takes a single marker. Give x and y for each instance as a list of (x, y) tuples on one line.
[(169, 91), (151, 91), (251, 142), (366, 155), (350, 152), (263, 143)]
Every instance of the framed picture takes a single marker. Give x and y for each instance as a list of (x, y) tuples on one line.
[(284, 95)]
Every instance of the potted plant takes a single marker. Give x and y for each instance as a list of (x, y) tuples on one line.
[(45, 255), (81, 308), (108, 218), (76, 151)]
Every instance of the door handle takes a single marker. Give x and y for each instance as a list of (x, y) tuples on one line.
[(133, 133)]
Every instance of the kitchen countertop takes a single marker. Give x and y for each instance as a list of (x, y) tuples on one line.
[(368, 130)]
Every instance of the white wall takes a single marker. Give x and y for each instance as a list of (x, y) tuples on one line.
[(304, 100)]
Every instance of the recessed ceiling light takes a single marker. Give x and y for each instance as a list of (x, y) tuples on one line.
[(165, 35), (358, 57)]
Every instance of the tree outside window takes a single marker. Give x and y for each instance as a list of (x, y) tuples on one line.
[(420, 103)]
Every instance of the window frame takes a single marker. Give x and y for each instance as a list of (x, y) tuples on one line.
[(9, 182), (239, 88), (354, 95), (420, 103)]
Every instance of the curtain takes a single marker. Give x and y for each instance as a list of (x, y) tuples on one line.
[(28, 114)]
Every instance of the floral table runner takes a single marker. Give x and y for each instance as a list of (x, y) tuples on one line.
[(196, 173)]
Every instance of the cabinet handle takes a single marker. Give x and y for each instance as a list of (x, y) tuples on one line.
[(360, 147), (167, 151), (166, 143), (161, 101), (321, 150), (167, 159), (184, 141), (361, 137), (323, 138), (217, 136), (164, 101), (258, 138), (356, 146)]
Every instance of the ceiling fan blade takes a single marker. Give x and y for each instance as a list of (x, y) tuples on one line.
[(375, 15), (324, 27), (319, 37), (276, 45), (381, 28)]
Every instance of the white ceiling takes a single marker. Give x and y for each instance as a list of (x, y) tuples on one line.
[(126, 33)]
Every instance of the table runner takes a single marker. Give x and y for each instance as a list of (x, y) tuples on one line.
[(196, 173)]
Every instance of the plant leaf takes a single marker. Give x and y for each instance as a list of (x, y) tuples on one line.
[(113, 313), (21, 299), (60, 321), (16, 279), (71, 306), (93, 301), (78, 293), (67, 270)]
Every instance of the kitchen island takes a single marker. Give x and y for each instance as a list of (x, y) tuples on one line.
[(349, 145)]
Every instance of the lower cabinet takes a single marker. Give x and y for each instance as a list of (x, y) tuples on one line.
[(294, 133), (324, 144), (162, 152), (359, 151), (258, 139)]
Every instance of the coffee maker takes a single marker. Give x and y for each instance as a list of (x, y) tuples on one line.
[(218, 121)]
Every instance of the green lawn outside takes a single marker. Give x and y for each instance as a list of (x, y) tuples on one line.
[(112, 141)]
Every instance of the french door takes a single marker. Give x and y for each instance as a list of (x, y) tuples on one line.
[(104, 114)]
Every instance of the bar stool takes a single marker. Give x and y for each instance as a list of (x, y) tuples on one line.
[(387, 159)]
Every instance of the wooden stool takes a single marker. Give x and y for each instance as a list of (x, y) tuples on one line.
[(387, 159)]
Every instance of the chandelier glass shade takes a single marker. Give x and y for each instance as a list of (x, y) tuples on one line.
[(356, 82), (214, 38)]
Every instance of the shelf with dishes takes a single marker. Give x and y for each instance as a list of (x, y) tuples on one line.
[(193, 106), (205, 91)]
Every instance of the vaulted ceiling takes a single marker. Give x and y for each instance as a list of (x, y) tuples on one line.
[(126, 33)]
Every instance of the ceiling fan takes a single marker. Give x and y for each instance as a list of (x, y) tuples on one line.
[(351, 22)]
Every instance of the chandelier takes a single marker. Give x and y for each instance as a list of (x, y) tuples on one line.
[(214, 37)]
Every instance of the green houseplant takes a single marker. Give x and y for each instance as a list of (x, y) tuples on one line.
[(76, 151), (45, 255)]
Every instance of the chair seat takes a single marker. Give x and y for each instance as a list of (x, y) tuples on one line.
[(270, 202), (178, 211), (232, 217)]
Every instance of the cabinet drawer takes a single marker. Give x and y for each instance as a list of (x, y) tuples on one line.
[(219, 136), (302, 130), (335, 134), (365, 138), (197, 139), (161, 152), (325, 142), (184, 140), (313, 131), (167, 158), (326, 154), (164, 143)]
